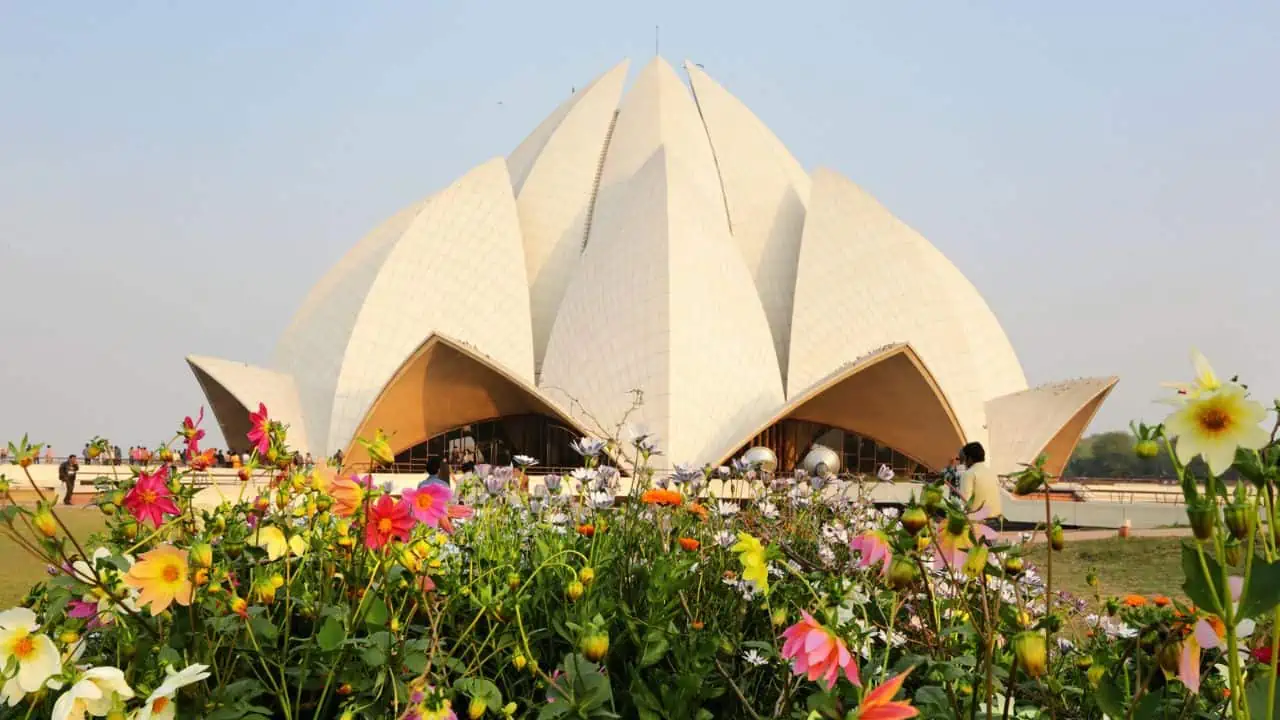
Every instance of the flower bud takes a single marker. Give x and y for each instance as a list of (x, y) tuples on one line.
[(1057, 539), (902, 573), (519, 661), (1084, 662), (931, 496), (69, 637), (45, 522), (477, 708), (239, 606), (1032, 654), (1146, 449), (914, 519), (513, 581), (922, 541), (1095, 674), (1112, 606), (1202, 518), (574, 590), (1013, 565), (1168, 657), (129, 529), (232, 548), (1239, 519), (202, 555), (509, 709), (243, 474), (586, 576), (594, 647), (975, 563), (778, 617), (1028, 483), (1233, 552)]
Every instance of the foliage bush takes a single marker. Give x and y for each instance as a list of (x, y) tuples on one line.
[(596, 595)]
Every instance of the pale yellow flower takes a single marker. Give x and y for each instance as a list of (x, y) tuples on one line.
[(271, 539), (1212, 424), (34, 655), (1206, 381)]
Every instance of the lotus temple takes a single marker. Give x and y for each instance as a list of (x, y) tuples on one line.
[(651, 255)]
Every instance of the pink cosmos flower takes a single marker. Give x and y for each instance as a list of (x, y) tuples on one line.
[(260, 435), (385, 520), (816, 652), (874, 547), (429, 503), (150, 500)]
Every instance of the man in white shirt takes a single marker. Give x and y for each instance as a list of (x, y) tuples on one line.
[(979, 485)]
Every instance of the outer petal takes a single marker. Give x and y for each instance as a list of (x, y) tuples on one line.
[(1205, 635), (886, 690), (1189, 665), (40, 667), (19, 617)]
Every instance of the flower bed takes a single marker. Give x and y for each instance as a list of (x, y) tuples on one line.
[(330, 597)]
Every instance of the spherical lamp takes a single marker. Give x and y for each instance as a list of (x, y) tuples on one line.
[(821, 460), (762, 458)]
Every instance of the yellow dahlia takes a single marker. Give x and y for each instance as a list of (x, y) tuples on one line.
[(1214, 423)]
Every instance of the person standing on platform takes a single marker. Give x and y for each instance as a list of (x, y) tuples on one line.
[(979, 485), (67, 475)]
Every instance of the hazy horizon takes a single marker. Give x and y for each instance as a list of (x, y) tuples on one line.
[(175, 178)]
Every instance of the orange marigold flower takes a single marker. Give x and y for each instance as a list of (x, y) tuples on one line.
[(1134, 601), (689, 543), (662, 497), (1160, 600), (698, 509), (587, 530)]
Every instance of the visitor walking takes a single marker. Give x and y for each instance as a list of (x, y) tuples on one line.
[(67, 475), (979, 485)]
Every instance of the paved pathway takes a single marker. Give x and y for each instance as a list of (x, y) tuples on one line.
[(1085, 535)]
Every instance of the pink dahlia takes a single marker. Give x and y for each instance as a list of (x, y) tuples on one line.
[(192, 433), (816, 652), (150, 500), (874, 547), (429, 504), (260, 435)]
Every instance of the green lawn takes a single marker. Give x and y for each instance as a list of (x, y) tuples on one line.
[(20, 570), (1146, 566)]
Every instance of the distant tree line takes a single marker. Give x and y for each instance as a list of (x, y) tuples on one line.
[(1111, 455)]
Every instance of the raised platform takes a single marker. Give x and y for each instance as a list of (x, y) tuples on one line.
[(1106, 509)]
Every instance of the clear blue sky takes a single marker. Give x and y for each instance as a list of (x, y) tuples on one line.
[(175, 176)]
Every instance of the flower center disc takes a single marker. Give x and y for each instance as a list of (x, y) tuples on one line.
[(171, 574), (1214, 419)]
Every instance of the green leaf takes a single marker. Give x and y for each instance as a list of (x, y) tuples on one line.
[(1149, 705), (331, 634), (374, 657), (377, 613), (1256, 694), (1263, 592), (264, 628), (1110, 697), (1197, 586), (931, 695), (654, 648), (481, 689)]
